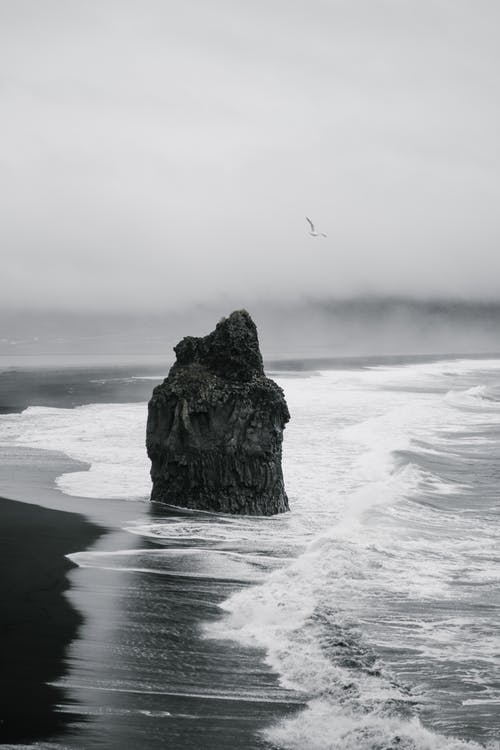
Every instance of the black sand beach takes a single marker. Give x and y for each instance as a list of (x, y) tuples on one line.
[(37, 621)]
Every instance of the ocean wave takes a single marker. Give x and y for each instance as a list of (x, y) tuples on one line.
[(321, 619), (322, 726), (323, 652), (477, 397), (352, 700)]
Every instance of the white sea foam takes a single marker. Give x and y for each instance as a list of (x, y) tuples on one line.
[(130, 379), (108, 437), (479, 397), (321, 727), (248, 697)]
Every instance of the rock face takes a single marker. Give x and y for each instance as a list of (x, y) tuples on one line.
[(215, 425)]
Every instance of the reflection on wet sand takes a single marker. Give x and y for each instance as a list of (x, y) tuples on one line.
[(142, 668)]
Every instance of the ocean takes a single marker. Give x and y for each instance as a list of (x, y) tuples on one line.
[(367, 618)]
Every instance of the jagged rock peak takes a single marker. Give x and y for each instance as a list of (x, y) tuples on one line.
[(231, 351)]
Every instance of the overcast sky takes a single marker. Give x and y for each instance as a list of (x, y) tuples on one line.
[(159, 153)]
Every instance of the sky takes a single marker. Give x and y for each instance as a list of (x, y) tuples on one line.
[(158, 154)]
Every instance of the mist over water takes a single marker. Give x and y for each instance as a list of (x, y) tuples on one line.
[(287, 329)]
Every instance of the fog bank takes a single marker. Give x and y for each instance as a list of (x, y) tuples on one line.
[(325, 328)]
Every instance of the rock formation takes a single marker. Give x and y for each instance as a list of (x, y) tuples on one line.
[(215, 425)]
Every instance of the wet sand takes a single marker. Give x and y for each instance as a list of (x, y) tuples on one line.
[(37, 622)]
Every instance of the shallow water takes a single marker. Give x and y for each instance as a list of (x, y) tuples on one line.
[(366, 618)]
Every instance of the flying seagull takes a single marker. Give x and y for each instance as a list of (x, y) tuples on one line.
[(313, 232)]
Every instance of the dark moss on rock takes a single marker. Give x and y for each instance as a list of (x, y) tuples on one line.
[(215, 425)]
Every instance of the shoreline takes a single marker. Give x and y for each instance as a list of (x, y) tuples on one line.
[(119, 636), (38, 622)]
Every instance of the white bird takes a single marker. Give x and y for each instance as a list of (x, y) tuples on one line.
[(313, 231)]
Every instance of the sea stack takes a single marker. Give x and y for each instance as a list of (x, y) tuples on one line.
[(215, 425)]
